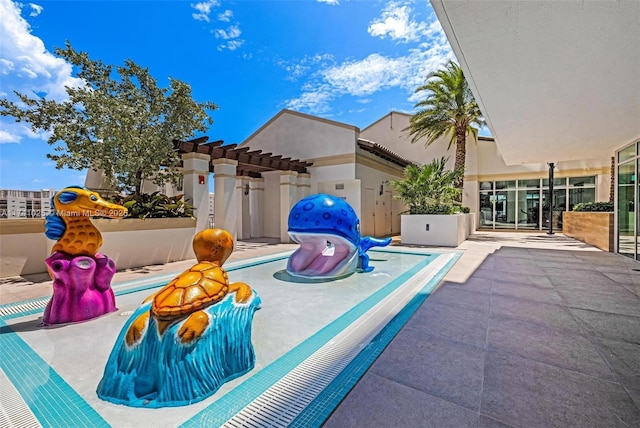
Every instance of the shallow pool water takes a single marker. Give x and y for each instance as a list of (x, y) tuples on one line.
[(56, 370)]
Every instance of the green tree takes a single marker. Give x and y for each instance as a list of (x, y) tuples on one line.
[(430, 188), (449, 110), (123, 125)]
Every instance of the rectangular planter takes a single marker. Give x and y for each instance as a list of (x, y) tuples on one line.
[(434, 229), (129, 243), (593, 228)]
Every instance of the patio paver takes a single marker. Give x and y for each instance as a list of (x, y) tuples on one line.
[(562, 348)]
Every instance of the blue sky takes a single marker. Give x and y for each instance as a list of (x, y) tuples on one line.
[(350, 61)]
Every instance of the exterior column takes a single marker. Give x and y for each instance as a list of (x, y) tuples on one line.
[(196, 185), (256, 206), (225, 199), (304, 185), (242, 213), (288, 197)]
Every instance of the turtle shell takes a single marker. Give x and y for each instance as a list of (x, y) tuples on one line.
[(197, 288)]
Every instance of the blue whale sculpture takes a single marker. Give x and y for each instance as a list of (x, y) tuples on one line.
[(328, 231)]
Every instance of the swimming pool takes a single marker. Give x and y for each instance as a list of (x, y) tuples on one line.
[(313, 340)]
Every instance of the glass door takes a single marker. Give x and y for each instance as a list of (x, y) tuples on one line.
[(626, 209)]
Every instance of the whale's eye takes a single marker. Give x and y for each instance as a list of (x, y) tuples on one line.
[(94, 198), (358, 227)]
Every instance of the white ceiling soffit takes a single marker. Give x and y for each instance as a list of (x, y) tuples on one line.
[(555, 80)]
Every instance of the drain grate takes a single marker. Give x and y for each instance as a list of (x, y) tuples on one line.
[(286, 399), (18, 308), (14, 412)]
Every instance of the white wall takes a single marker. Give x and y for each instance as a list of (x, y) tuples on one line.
[(331, 172), (350, 192), (388, 132), (271, 212), (303, 137)]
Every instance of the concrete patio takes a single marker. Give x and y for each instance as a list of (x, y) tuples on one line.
[(526, 330)]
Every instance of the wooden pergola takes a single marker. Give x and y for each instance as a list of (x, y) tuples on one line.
[(251, 163)]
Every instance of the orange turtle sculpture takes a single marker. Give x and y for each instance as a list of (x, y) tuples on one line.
[(183, 342), (197, 288)]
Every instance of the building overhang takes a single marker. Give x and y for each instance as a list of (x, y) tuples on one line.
[(556, 81)]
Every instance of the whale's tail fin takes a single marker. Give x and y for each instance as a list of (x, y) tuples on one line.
[(365, 244)]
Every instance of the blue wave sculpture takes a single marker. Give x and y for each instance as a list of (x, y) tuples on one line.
[(328, 231)]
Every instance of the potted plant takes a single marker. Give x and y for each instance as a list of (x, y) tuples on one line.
[(435, 215)]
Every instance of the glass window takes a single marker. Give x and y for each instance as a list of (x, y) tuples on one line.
[(582, 181), (532, 184), (505, 209), (510, 184), (486, 210), (627, 153), (626, 209), (557, 182), (529, 209), (486, 185), (581, 195), (626, 174)]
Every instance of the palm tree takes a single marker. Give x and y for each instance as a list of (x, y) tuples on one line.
[(449, 109)]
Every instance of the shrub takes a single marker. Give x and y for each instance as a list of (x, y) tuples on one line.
[(430, 188), (594, 207), (154, 205)]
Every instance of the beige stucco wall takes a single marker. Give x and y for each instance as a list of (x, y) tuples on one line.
[(303, 137), (483, 162), (129, 242), (271, 212)]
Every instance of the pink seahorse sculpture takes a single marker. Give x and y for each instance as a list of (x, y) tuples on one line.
[(81, 276)]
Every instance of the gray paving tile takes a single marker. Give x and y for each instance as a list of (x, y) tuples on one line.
[(549, 345), (527, 292), (607, 325), (484, 273), (516, 269), (487, 422), (624, 359), (525, 279), (573, 263), (379, 402), (462, 298), (450, 370), (480, 285), (634, 393), (537, 312), (460, 324), (526, 393), (569, 276), (615, 301)]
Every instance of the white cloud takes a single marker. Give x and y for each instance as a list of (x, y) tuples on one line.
[(7, 137), (225, 16), (331, 2), (300, 68), (364, 77), (232, 32), (314, 100), (27, 67), (232, 45), (204, 9), (36, 9), (396, 24)]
